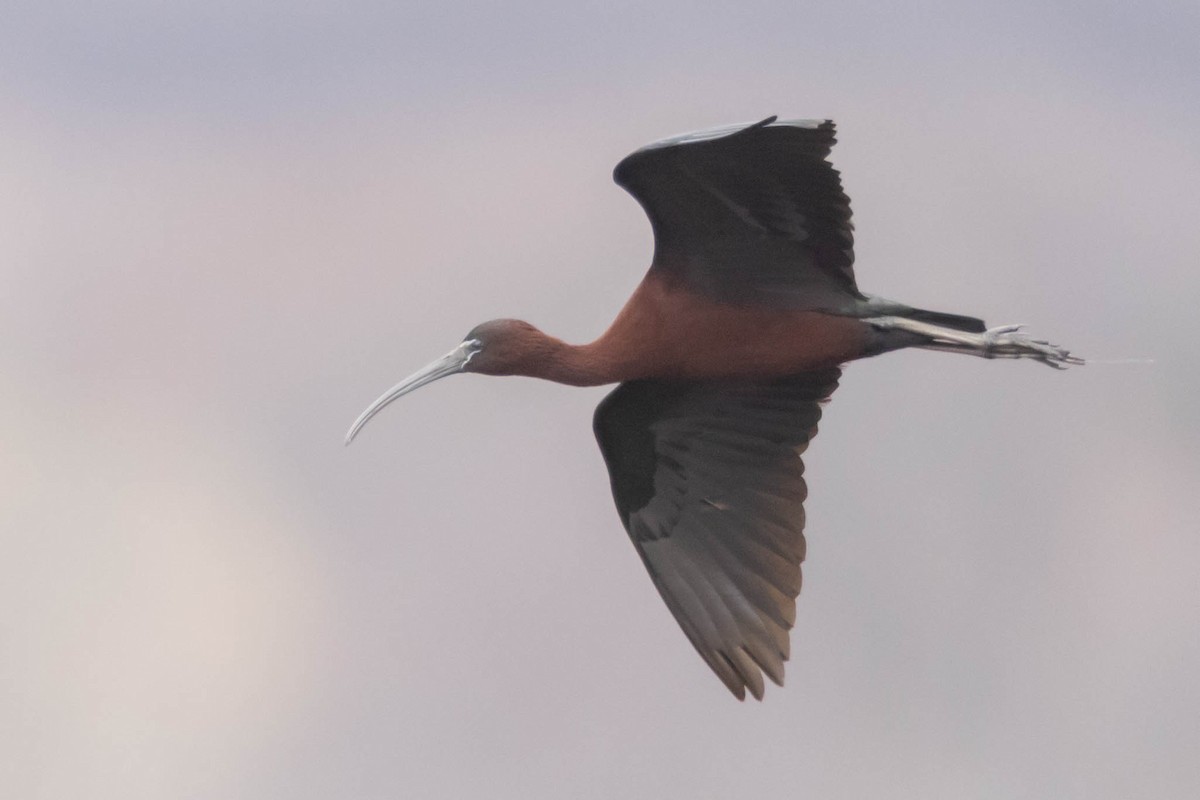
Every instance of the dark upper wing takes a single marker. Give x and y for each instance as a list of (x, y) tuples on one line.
[(709, 484), (749, 214)]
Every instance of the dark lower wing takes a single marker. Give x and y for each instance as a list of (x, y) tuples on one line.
[(709, 484)]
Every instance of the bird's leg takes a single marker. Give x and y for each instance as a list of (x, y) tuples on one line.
[(1005, 341)]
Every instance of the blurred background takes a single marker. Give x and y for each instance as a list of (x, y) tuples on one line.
[(226, 227)]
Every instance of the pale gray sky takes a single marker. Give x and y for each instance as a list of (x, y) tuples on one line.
[(228, 226)]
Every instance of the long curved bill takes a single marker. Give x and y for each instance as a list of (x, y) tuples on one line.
[(452, 362)]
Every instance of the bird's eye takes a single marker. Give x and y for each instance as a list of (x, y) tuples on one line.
[(471, 347)]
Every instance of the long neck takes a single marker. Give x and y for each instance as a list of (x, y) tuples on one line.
[(576, 365), (632, 347)]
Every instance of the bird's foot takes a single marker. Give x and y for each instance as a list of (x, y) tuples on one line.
[(1007, 341)]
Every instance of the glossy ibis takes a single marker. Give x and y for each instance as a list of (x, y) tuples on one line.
[(724, 355)]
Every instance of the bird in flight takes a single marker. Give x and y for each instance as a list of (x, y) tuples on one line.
[(724, 356)]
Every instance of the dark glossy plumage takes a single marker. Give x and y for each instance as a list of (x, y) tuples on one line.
[(709, 484), (756, 215)]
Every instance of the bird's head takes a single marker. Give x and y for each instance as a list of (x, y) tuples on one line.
[(506, 347), (498, 347)]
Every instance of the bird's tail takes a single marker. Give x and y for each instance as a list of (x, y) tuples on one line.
[(958, 322)]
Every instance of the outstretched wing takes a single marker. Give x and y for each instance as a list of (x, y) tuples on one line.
[(749, 214), (709, 484)]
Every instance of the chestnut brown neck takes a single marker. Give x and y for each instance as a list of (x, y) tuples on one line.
[(575, 365)]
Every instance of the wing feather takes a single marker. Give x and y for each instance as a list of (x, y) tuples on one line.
[(749, 213), (709, 485)]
